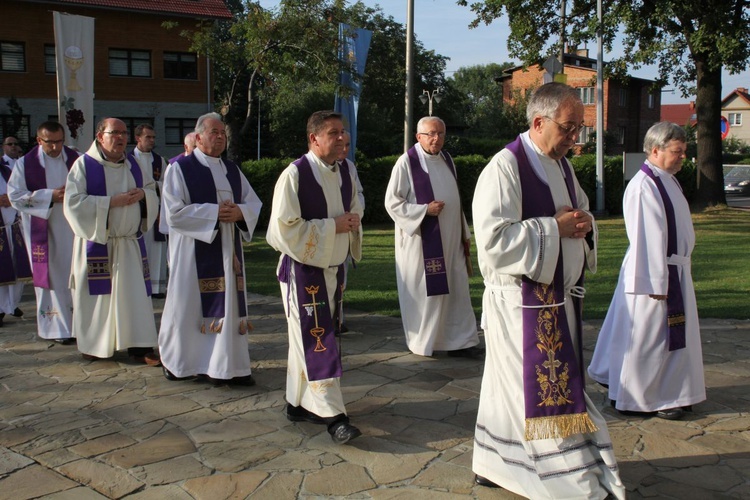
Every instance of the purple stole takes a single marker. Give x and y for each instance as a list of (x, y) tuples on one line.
[(15, 264), (553, 377), (36, 179), (675, 304), (175, 158), (209, 260), (435, 270), (156, 164), (321, 353), (97, 255)]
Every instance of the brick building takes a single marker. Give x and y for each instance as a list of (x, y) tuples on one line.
[(143, 72), (629, 108)]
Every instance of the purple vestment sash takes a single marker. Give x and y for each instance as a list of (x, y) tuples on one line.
[(318, 338), (675, 305), (97, 255), (36, 179), (209, 259), (553, 373), (435, 269), (156, 164), (14, 263)]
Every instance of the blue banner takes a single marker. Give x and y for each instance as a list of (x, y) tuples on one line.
[(354, 43)]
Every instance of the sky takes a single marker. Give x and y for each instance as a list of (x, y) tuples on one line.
[(442, 26)]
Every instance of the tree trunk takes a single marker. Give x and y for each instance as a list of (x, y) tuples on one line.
[(708, 109)]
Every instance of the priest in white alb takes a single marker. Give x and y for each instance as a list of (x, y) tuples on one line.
[(211, 209), (315, 224), (15, 269), (537, 433), (649, 348), (155, 238), (110, 202), (432, 248), (36, 189)]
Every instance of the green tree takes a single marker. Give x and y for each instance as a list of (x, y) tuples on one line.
[(691, 41), (483, 97), (293, 40)]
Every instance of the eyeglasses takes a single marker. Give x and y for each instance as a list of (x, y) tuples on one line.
[(49, 141), (570, 129), (432, 135), (117, 133), (10, 144)]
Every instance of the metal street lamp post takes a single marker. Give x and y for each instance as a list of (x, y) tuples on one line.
[(428, 96)]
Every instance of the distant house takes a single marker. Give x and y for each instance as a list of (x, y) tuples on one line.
[(143, 72), (736, 109), (629, 108), (681, 114)]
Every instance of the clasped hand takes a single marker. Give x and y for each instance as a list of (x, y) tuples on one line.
[(573, 223), (347, 222), (229, 212), (4, 200), (127, 198)]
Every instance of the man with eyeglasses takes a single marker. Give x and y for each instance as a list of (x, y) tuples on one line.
[(432, 248), (648, 352), (110, 202), (11, 151), (37, 189), (537, 433)]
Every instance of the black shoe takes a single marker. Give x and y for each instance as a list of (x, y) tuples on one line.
[(2, 315), (171, 376), (17, 313), (671, 413), (483, 481), (473, 352), (68, 341), (343, 432), (247, 381), (158, 295), (300, 414)]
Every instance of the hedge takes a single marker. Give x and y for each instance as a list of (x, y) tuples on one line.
[(375, 173)]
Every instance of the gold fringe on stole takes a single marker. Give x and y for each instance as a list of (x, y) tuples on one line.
[(558, 426)]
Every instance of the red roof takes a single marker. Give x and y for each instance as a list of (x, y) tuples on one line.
[(214, 9), (681, 114), (740, 92)]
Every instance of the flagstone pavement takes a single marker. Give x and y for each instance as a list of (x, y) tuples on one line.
[(76, 429)]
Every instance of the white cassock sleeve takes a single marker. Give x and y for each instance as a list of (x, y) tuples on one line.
[(35, 203), (646, 272), (507, 245)]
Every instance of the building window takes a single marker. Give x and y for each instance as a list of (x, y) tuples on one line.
[(131, 123), (587, 94), (620, 135), (623, 97), (586, 135), (18, 128), (175, 129), (651, 101), (123, 62), (180, 65), (50, 65), (735, 119), (12, 56)]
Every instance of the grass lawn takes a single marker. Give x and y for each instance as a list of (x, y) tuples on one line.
[(721, 270)]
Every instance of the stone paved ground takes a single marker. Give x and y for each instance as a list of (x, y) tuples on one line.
[(75, 429)]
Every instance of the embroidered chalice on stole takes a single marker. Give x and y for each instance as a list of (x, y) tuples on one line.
[(312, 308)]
